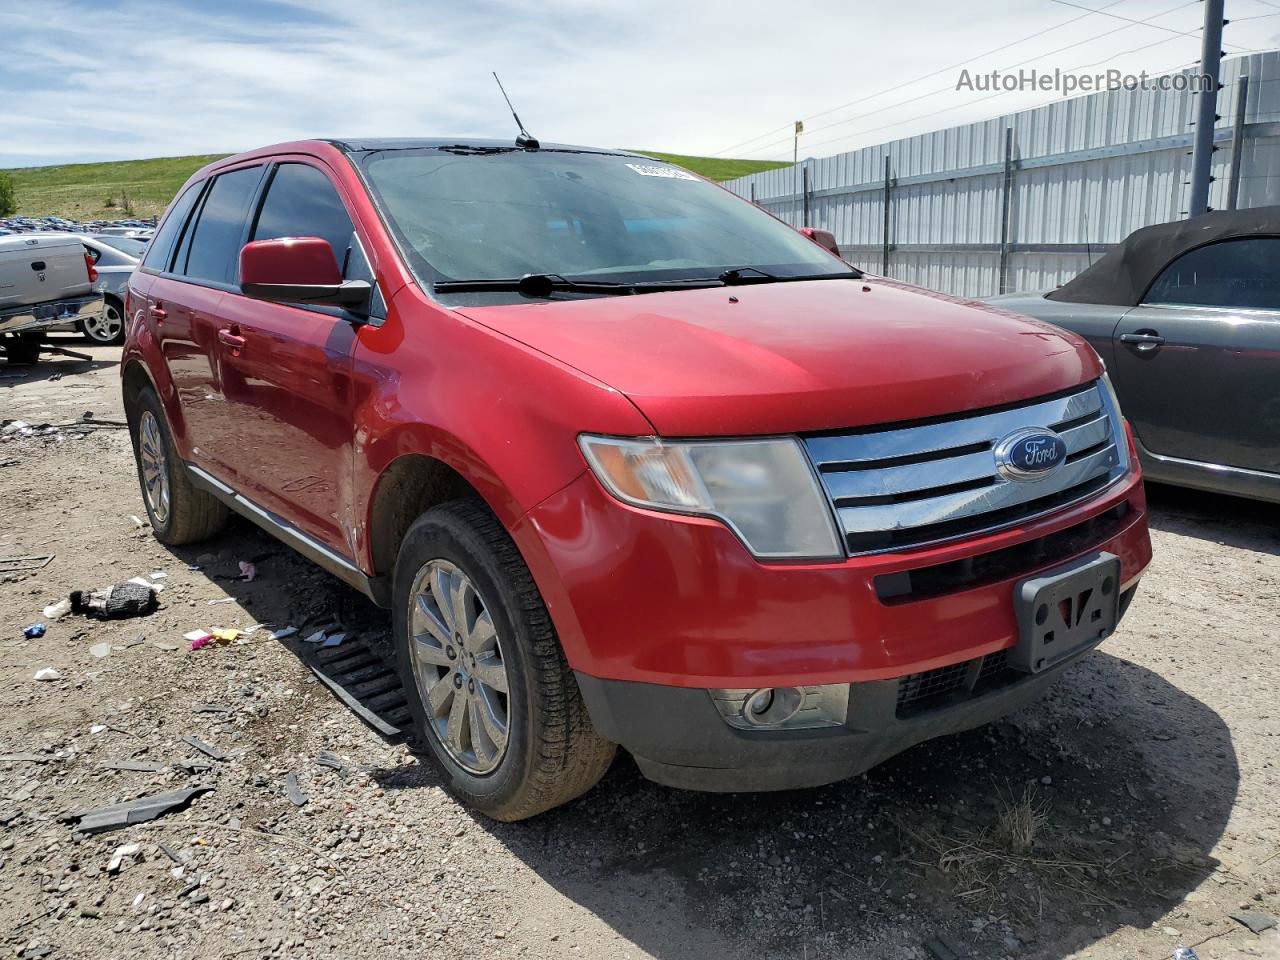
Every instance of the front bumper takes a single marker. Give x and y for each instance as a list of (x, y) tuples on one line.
[(679, 739), (678, 601), (43, 316)]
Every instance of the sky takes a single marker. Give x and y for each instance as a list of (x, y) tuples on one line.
[(123, 79)]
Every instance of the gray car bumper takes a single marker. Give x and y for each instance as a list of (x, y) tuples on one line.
[(42, 316)]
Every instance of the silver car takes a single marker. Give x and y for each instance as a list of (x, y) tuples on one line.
[(115, 258), (1186, 316)]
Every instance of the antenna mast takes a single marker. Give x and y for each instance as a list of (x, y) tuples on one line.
[(524, 139)]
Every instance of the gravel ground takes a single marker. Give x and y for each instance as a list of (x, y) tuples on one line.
[(1133, 810)]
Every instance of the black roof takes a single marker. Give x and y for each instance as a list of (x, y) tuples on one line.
[(366, 144), (1123, 276)]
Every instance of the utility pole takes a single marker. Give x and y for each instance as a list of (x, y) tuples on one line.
[(1206, 107), (795, 166)]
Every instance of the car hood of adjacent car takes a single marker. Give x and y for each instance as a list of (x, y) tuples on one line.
[(799, 356)]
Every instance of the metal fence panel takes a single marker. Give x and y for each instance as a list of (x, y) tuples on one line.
[(1086, 172)]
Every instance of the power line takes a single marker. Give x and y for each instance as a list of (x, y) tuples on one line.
[(1116, 16), (1001, 93), (941, 90), (927, 76)]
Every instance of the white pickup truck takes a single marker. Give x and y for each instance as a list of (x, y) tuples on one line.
[(45, 281)]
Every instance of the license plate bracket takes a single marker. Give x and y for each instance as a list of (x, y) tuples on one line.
[(1064, 610)]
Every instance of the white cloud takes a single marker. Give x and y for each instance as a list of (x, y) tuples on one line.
[(80, 81)]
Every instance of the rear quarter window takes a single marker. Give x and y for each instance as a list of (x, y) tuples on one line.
[(160, 253)]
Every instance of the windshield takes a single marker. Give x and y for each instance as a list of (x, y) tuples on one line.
[(128, 245), (497, 215)]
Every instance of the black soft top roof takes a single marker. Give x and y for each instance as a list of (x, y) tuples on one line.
[(1124, 274)]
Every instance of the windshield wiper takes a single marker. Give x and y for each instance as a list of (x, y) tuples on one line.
[(739, 275), (543, 284)]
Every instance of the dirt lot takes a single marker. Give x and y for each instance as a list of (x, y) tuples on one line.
[(1132, 811)]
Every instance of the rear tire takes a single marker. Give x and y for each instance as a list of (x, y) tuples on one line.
[(494, 630), (108, 329), (179, 513), (23, 348)]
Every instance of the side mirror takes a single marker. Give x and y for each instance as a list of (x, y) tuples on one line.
[(823, 238), (298, 270)]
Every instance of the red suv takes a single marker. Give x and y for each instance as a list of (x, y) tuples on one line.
[(630, 461)]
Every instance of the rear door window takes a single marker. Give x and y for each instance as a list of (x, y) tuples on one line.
[(301, 202), (213, 253), (160, 253), (1238, 273)]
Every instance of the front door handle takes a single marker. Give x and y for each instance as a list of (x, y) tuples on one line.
[(1143, 340), (157, 310), (230, 336)]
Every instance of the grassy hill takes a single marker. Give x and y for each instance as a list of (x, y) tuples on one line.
[(92, 191)]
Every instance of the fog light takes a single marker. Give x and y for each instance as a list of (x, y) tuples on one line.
[(772, 706), (783, 708)]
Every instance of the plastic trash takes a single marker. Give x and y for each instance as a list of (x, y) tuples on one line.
[(199, 638), (248, 570), (1185, 953), (123, 600), (56, 611), (225, 635), (47, 673), (283, 632), (33, 632)]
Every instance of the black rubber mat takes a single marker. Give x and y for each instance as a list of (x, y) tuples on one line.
[(361, 680)]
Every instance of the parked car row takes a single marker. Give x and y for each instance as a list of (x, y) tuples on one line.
[(142, 229)]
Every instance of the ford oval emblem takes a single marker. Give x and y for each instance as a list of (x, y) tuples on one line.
[(1030, 454)]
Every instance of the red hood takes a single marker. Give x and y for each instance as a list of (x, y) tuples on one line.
[(791, 357)]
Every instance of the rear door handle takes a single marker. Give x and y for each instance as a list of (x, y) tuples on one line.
[(1143, 340)]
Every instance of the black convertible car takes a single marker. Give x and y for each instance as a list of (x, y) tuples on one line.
[(1186, 316)]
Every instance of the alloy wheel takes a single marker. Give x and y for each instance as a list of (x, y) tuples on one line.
[(105, 328), (458, 667), (155, 466)]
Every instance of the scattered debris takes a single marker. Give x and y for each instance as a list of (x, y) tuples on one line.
[(134, 766), (328, 759), (56, 611), (944, 948), (208, 749), (126, 852), (100, 649), (225, 635), (283, 632), (24, 564), (128, 599), (212, 708), (334, 640), (159, 575), (138, 521), (98, 728), (1256, 922), (193, 766), (1185, 953), (47, 673), (248, 571), (198, 638), (168, 646), (34, 631), (222, 600), (116, 815), (23, 758), (294, 792)]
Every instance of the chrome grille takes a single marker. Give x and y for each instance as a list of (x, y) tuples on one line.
[(900, 486)]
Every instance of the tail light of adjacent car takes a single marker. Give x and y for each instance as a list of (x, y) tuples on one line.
[(93, 271)]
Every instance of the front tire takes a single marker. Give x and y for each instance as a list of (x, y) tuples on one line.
[(469, 621), (179, 513)]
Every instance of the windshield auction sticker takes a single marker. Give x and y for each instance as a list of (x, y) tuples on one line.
[(667, 173)]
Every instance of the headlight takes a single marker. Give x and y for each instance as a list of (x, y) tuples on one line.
[(764, 490)]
